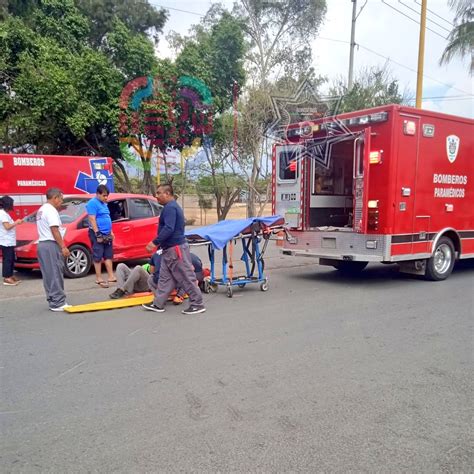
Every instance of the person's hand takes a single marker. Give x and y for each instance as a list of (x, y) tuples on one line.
[(150, 247), (19, 221), (65, 252), (112, 235)]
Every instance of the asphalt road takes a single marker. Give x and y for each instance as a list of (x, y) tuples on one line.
[(320, 374)]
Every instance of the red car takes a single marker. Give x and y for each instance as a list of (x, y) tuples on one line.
[(134, 222)]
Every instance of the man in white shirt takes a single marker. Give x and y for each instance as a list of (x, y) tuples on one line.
[(51, 250)]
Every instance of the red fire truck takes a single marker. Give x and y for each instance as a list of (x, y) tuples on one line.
[(388, 184), (26, 178)]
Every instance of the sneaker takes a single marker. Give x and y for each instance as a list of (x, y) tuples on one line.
[(118, 293), (194, 310), (10, 282), (60, 308), (178, 300), (152, 307)]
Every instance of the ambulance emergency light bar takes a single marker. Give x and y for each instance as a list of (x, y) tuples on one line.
[(336, 123)]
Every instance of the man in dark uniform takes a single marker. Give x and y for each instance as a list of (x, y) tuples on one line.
[(176, 268)]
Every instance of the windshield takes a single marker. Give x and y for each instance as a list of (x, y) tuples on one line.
[(70, 210)]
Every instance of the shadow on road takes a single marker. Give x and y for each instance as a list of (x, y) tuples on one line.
[(378, 274)]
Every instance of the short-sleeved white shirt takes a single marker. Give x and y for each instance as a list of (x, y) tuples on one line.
[(47, 217), (7, 237)]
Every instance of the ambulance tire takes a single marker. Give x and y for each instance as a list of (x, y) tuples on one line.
[(79, 263), (441, 264), (349, 268)]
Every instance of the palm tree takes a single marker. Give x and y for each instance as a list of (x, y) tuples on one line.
[(461, 38)]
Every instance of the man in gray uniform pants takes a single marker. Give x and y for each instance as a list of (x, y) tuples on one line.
[(176, 269), (51, 249)]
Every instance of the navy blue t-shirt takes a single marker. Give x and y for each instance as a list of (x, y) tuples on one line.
[(171, 226)]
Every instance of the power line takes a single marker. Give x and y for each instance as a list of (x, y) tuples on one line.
[(412, 19), (176, 9), (429, 19), (411, 69), (435, 14), (392, 61)]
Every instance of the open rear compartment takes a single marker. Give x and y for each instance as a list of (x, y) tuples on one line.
[(331, 181)]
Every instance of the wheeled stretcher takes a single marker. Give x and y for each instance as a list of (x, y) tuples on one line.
[(225, 236)]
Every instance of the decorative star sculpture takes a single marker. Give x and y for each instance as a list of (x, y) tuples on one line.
[(306, 106)]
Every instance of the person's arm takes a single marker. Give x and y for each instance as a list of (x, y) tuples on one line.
[(59, 240), (93, 223), (9, 226)]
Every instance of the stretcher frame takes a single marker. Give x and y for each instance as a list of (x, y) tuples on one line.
[(252, 256)]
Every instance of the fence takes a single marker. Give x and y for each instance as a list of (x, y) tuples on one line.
[(195, 215)]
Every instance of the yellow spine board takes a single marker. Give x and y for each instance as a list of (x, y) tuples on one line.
[(112, 304)]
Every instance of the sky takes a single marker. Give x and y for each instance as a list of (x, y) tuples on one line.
[(384, 36)]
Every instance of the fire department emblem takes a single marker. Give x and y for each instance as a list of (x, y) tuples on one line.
[(452, 147)]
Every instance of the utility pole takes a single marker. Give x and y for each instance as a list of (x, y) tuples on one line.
[(421, 54), (351, 56)]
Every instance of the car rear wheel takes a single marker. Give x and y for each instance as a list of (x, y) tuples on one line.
[(78, 263), (441, 264)]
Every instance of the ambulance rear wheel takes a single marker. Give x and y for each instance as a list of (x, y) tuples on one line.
[(348, 267), (78, 264), (441, 264)]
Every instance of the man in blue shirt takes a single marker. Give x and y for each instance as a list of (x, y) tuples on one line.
[(176, 267), (101, 235)]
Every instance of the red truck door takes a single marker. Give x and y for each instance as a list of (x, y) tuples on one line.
[(405, 220), (361, 180), (289, 169)]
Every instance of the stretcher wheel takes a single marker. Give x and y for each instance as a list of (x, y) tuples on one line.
[(230, 291), (241, 285), (206, 287), (264, 286)]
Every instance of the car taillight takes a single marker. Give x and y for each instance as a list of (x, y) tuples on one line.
[(373, 214)]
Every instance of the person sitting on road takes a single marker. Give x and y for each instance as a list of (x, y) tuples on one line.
[(130, 281)]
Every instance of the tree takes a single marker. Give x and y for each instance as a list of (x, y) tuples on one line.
[(372, 87), (278, 33), (60, 79), (461, 38)]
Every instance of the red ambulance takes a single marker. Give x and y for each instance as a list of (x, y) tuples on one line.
[(26, 178), (388, 184)]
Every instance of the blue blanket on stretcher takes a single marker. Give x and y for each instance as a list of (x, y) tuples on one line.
[(221, 233)]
